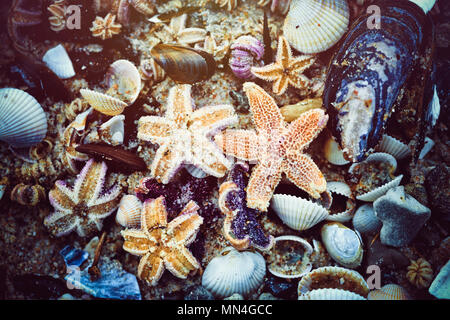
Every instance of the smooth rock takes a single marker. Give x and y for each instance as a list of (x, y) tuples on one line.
[(440, 288), (438, 187), (235, 296), (198, 293), (402, 217)]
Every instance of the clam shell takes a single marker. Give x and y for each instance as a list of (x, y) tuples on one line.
[(124, 80), (297, 213), (113, 130), (333, 278), (343, 244), (341, 188), (234, 272), (389, 292), (378, 157), (394, 147), (289, 258), (365, 220), (313, 26), (333, 153), (22, 120), (380, 191), (330, 294), (129, 212), (103, 103), (59, 62)]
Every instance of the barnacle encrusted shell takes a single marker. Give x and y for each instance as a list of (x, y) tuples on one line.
[(389, 292), (59, 62), (246, 52), (297, 213), (290, 257), (333, 152), (22, 120), (330, 294), (343, 189), (420, 273), (394, 147), (234, 272), (333, 278), (28, 195), (343, 244), (129, 212), (365, 220), (313, 26)]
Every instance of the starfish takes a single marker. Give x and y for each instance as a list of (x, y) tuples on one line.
[(179, 33), (276, 148), (240, 227), (83, 206), (286, 69), (105, 28), (162, 245), (184, 135)]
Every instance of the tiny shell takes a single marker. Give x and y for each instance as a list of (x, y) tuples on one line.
[(343, 244), (59, 62), (365, 220), (341, 188), (333, 153), (234, 272), (389, 292), (129, 212), (394, 147), (297, 213), (113, 130), (103, 103), (330, 294)]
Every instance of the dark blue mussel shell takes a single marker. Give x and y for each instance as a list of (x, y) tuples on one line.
[(368, 72)]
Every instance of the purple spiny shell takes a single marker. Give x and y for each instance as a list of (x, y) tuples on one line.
[(246, 52)]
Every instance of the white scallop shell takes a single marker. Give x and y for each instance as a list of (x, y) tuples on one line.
[(394, 147), (308, 250), (343, 244), (59, 62), (196, 172), (341, 188), (365, 220), (129, 212), (103, 103), (297, 213), (113, 130), (22, 120), (333, 153), (330, 294), (313, 26), (389, 292), (234, 272), (124, 77)]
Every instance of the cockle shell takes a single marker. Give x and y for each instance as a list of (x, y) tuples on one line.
[(129, 212), (124, 81), (341, 188), (333, 153), (59, 62), (103, 103), (365, 220), (333, 278), (330, 294), (113, 130), (22, 120), (343, 244), (394, 147), (313, 26), (389, 292), (297, 213), (234, 272)]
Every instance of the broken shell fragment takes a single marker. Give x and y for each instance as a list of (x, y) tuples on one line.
[(330, 294), (333, 153), (341, 210), (59, 62), (113, 130), (103, 103)]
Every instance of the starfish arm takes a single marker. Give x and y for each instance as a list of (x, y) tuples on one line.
[(300, 64), (284, 52), (136, 242), (304, 173), (263, 181), (155, 129), (241, 144), (168, 159), (280, 85), (151, 268), (179, 105), (62, 197), (154, 214), (269, 72), (89, 182), (266, 114), (208, 157), (209, 120), (60, 223), (180, 261), (183, 229), (106, 203), (304, 129), (298, 80)]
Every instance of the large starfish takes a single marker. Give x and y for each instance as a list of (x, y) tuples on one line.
[(276, 147), (184, 135), (286, 69), (85, 205), (162, 245)]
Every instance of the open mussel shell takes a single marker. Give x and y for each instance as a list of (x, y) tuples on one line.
[(394, 147), (337, 188), (389, 292), (22, 120), (184, 64), (330, 294)]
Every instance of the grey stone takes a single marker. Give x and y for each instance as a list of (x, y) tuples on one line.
[(402, 217), (440, 288)]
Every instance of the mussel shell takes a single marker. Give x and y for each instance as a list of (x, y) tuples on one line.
[(184, 64)]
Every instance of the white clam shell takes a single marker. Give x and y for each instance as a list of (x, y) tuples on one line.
[(389, 292), (195, 171), (333, 153), (113, 130), (338, 187), (234, 272), (297, 213), (343, 244), (22, 120), (59, 62), (313, 26), (394, 147), (331, 294), (129, 212), (365, 220), (124, 76), (291, 270), (378, 157), (103, 103)]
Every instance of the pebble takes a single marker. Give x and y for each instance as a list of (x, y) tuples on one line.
[(438, 186), (402, 217), (235, 296), (440, 288), (198, 293), (267, 296)]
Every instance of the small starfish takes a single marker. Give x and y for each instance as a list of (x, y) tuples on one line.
[(182, 35), (85, 205), (162, 245), (286, 69), (184, 135), (276, 147), (105, 28)]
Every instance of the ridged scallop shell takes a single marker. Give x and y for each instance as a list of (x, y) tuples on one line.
[(195, 171), (333, 278), (343, 244), (59, 62), (297, 213), (289, 260), (330, 294), (313, 26), (124, 81), (22, 120), (234, 272), (389, 292), (103, 103), (394, 147), (129, 212), (365, 220), (341, 188), (113, 130), (333, 153)]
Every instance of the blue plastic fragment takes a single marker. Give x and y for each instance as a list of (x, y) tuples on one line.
[(73, 256)]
